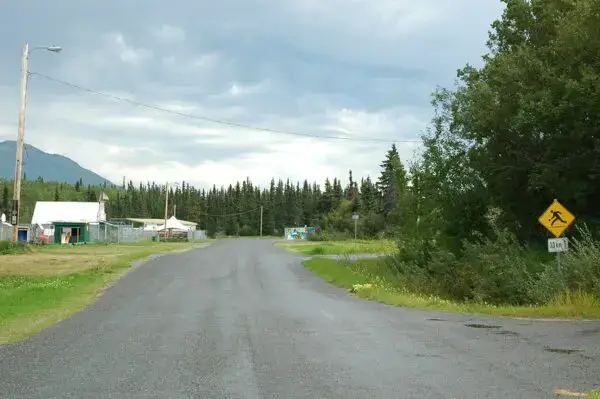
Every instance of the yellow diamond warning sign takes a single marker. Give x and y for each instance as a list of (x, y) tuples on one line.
[(556, 218)]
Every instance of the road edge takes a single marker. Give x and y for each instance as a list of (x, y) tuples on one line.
[(136, 264), (303, 258)]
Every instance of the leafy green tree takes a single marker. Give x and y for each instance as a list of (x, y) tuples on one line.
[(530, 114)]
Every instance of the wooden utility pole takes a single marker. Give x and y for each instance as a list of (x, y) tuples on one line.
[(261, 220), (20, 143), (21, 137), (166, 208)]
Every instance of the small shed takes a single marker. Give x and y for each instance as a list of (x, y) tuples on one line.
[(71, 232), (69, 222)]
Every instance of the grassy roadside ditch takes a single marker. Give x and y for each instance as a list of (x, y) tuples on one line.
[(339, 247), (372, 279), (41, 286)]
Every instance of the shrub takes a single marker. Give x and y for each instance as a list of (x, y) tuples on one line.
[(580, 266), (330, 235), (424, 266), (8, 247), (499, 269), (314, 236), (334, 235), (317, 251), (246, 231)]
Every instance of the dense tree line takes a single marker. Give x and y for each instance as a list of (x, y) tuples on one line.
[(235, 209)]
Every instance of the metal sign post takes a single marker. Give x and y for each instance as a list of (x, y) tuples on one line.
[(558, 245), (556, 219), (355, 217)]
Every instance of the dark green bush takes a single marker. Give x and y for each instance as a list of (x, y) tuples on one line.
[(314, 236), (246, 231)]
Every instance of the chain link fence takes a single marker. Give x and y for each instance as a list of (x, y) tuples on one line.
[(194, 235), (5, 232), (115, 233), (106, 232)]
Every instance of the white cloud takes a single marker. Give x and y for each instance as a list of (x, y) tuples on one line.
[(169, 34), (205, 61), (237, 90), (382, 124), (126, 52)]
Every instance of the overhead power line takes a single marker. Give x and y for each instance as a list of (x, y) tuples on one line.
[(218, 121), (231, 214)]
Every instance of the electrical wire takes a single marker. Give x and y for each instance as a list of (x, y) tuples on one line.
[(217, 121), (231, 214)]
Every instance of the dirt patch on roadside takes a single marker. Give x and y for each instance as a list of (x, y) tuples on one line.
[(42, 264)]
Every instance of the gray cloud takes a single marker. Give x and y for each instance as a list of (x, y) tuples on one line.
[(292, 65)]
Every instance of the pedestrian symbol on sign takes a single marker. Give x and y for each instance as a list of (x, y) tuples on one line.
[(556, 216)]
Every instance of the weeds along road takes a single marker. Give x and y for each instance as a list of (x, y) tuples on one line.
[(244, 319)]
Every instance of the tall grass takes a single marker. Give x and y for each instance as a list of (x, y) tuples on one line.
[(501, 270), (341, 247), (8, 247), (375, 279)]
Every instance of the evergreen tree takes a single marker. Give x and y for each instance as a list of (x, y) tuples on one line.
[(392, 180), (5, 198)]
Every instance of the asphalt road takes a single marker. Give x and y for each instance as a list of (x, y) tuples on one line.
[(243, 319)]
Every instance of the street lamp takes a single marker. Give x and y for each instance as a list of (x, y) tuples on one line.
[(21, 134), (54, 49)]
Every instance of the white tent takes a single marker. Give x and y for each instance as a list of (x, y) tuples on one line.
[(173, 224)]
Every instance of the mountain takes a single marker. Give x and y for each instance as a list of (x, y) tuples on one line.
[(51, 167)]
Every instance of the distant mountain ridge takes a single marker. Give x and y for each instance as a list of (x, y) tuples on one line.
[(51, 167)]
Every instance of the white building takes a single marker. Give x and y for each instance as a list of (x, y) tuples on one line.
[(48, 212)]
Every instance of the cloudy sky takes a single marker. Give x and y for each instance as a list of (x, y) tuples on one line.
[(334, 68)]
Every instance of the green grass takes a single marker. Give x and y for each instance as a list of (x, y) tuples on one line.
[(371, 279), (339, 247), (595, 394), (564, 393), (34, 296)]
